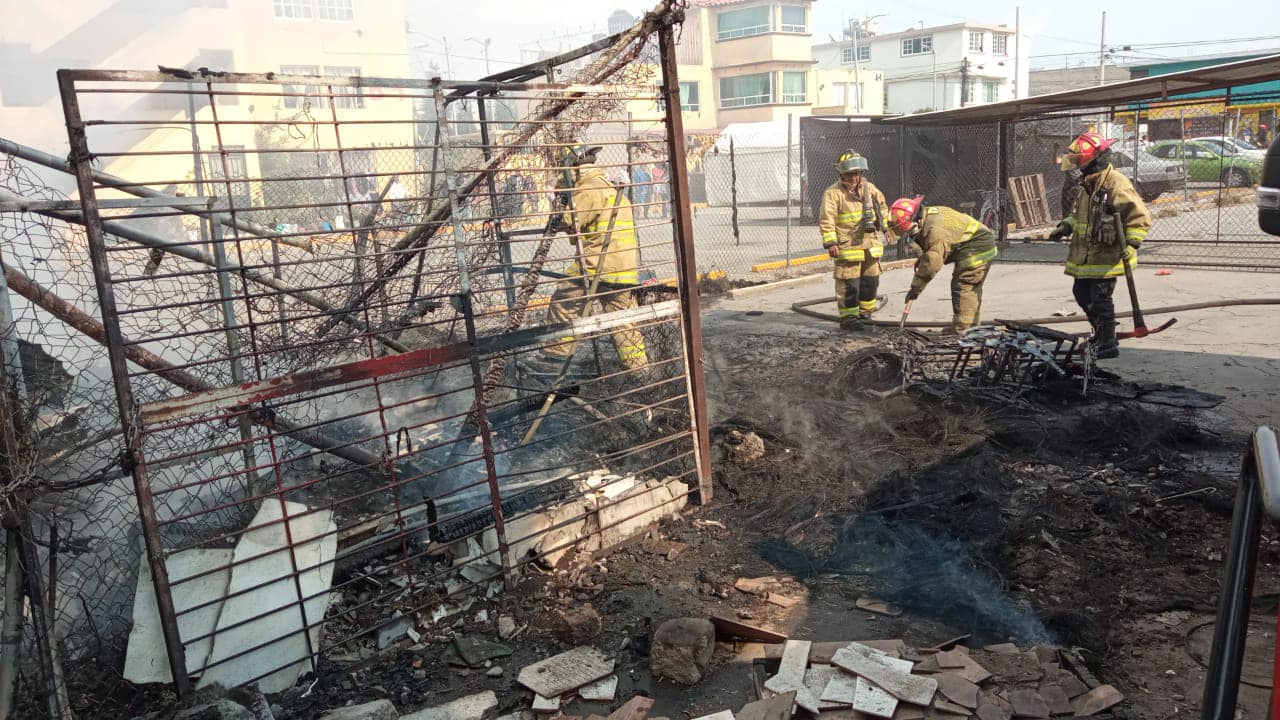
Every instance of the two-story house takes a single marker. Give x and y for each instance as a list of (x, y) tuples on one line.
[(752, 61), (937, 68)]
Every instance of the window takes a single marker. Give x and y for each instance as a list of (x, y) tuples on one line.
[(292, 9), (918, 46), (338, 10), (990, 91), (236, 168), (975, 41), (793, 90), (793, 19), (999, 44), (846, 54), (846, 94), (689, 97), (348, 96), (1165, 151), (298, 95), (745, 90), (744, 23)]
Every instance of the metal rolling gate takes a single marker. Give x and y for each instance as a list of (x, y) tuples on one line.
[(317, 331)]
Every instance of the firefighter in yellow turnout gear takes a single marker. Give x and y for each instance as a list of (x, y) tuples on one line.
[(1096, 256), (947, 237), (853, 216), (603, 228)]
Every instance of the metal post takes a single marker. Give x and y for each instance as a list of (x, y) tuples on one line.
[(11, 631), (1002, 178), (12, 395), (81, 159), (733, 193), (504, 240), (687, 268), (1182, 134), (1102, 52), (789, 174), (234, 352), (477, 376)]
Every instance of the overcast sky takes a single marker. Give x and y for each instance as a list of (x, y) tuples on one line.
[(1052, 27)]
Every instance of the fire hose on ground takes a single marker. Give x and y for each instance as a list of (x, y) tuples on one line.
[(803, 309)]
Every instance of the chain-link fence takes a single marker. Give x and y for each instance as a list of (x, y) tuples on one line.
[(280, 389)]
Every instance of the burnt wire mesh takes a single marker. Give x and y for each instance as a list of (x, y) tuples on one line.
[(328, 341)]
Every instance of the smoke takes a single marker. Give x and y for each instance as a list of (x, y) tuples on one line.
[(911, 567)]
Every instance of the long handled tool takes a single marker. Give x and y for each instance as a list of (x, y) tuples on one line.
[(906, 310), (1140, 329)]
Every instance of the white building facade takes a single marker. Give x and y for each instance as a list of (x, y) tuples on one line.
[(937, 68)]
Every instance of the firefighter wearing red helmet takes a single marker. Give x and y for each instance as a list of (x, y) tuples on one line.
[(1096, 256), (854, 214), (947, 237)]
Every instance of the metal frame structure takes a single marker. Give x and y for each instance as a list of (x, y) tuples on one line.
[(337, 413)]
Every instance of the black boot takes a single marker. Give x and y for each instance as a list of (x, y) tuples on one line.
[(1104, 338)]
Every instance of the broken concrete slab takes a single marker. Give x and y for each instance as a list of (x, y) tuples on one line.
[(474, 651), (545, 704), (778, 707), (869, 699), (376, 710), (681, 649), (757, 586), (471, 707), (727, 628), (942, 705), (722, 715), (1096, 700), (840, 689), (816, 678), (1067, 680), (1002, 649), (602, 690), (567, 671), (1022, 667), (972, 671), (638, 508), (267, 600), (950, 659), (220, 709), (1046, 655), (908, 712), (990, 711), (783, 601), (1056, 699), (790, 675), (1028, 704), (145, 660), (915, 689), (822, 652), (958, 690)]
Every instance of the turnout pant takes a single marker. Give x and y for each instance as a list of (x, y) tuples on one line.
[(966, 297), (856, 286), (1093, 295), (569, 302)]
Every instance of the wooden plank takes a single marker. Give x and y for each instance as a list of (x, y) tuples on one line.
[(778, 707), (567, 671), (915, 689), (1016, 195), (1045, 216), (795, 658), (637, 708), (734, 629)]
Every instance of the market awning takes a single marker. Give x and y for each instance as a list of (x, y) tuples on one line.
[(1157, 88)]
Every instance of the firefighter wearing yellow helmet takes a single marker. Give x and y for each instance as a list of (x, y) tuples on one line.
[(854, 214), (1098, 248), (601, 225)]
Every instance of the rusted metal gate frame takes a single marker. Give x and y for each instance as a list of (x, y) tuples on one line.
[(133, 416)]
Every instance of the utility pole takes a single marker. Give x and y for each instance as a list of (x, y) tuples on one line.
[(1102, 52), (1017, 47), (964, 81), (857, 83)]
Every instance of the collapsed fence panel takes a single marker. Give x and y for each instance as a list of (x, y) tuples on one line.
[(334, 415)]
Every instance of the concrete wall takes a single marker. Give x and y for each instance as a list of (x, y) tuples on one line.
[(825, 95), (1062, 79)]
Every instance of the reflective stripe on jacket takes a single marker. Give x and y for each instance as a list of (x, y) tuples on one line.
[(593, 205), (948, 236), (841, 220), (1095, 252)]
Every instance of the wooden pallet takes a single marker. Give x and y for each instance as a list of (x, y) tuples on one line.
[(1030, 207)]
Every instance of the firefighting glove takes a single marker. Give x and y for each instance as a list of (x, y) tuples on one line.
[(1062, 230), (834, 251), (912, 294)]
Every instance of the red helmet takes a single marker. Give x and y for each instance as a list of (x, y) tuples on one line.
[(904, 211), (1083, 150)]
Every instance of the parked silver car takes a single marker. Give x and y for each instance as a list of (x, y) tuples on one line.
[(1155, 176)]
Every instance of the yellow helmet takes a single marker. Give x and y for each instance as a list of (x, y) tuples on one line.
[(851, 161)]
